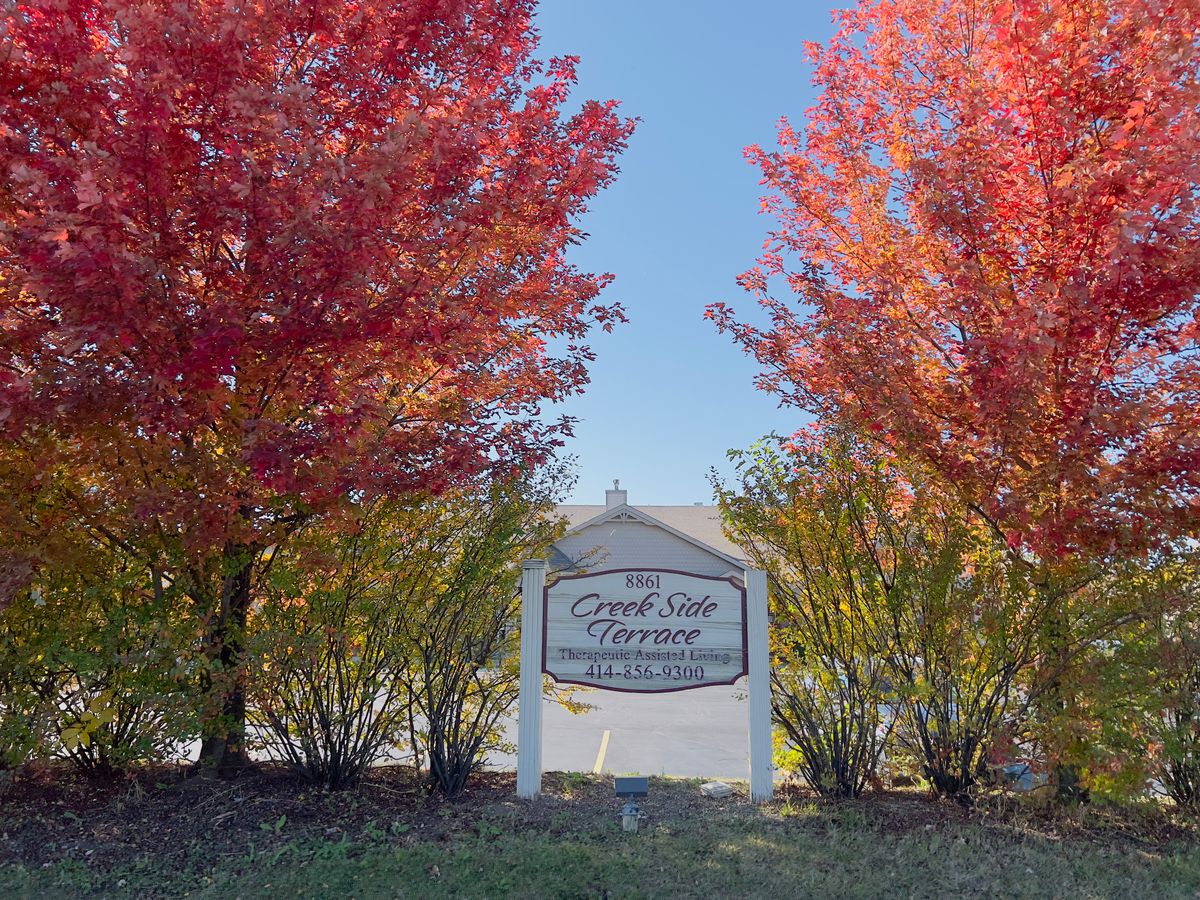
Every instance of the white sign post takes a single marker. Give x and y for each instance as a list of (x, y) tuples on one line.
[(643, 631), (529, 710), (762, 776)]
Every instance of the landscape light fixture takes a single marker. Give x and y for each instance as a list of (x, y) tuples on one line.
[(631, 788)]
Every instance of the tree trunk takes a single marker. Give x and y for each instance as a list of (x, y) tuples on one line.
[(1058, 701), (223, 748)]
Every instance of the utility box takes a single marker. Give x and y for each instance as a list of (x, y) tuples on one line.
[(632, 786)]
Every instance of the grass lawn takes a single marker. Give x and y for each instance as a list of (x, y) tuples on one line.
[(269, 837)]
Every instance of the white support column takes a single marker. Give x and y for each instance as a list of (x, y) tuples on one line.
[(762, 775), (529, 708)]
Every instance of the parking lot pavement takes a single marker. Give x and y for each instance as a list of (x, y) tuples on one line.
[(697, 733)]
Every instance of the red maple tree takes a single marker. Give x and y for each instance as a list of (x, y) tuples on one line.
[(988, 256), (258, 258)]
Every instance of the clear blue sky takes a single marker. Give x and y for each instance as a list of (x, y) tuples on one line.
[(669, 395)]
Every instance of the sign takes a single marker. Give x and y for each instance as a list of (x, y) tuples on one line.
[(644, 630), (673, 614)]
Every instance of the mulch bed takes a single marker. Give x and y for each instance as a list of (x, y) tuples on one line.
[(173, 817), (167, 812)]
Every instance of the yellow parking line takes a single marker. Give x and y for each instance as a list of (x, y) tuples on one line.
[(596, 769)]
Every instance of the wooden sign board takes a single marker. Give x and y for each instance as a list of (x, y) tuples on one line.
[(644, 630)]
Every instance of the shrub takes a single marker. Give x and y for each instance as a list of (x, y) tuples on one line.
[(896, 613), (395, 633), (326, 692), (1153, 672), (28, 689), (964, 632), (93, 667), (828, 677), (1177, 724), (464, 675)]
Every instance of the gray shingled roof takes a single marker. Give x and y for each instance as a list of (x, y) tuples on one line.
[(700, 522)]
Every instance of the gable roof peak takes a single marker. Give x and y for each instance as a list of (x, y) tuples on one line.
[(626, 513)]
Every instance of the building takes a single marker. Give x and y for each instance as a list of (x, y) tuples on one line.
[(619, 536)]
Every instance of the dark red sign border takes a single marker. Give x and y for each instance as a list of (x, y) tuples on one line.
[(741, 589)]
